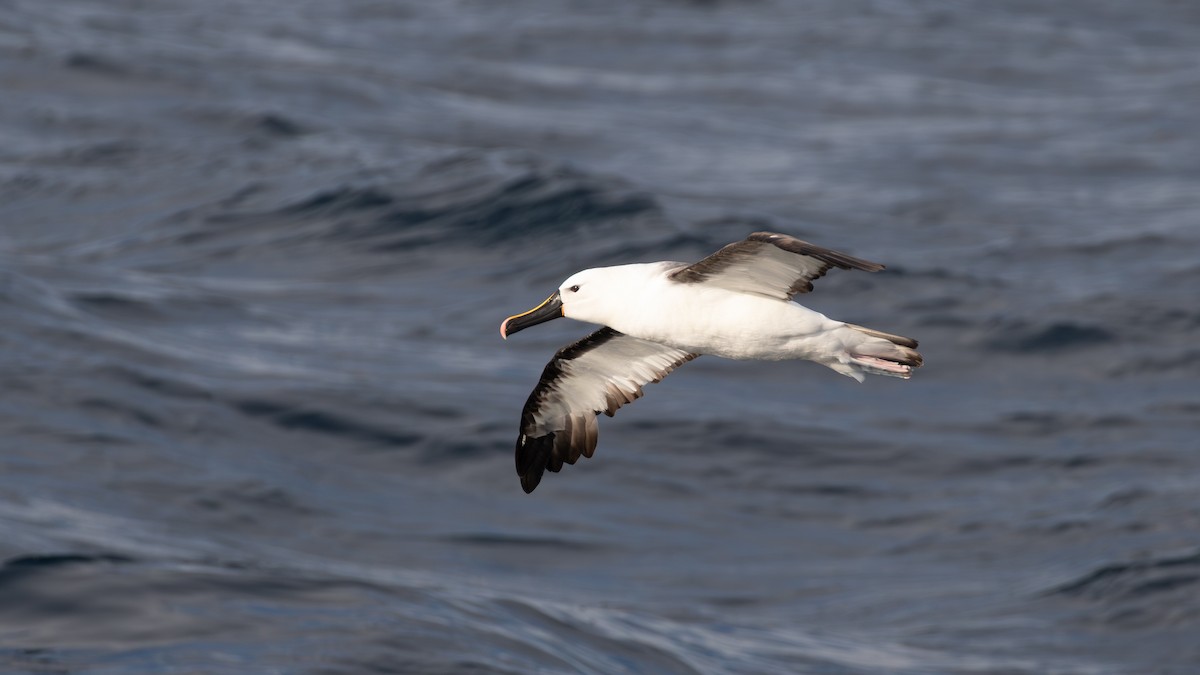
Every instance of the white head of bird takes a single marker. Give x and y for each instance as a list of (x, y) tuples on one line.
[(595, 295)]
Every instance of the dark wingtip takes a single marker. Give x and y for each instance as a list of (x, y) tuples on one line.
[(532, 459), (530, 481)]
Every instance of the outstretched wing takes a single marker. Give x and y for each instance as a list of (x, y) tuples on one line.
[(770, 264), (597, 374)]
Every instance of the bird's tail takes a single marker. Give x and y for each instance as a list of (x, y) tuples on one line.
[(880, 353)]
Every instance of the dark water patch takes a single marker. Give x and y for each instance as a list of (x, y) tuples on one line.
[(725, 228), (943, 276), (734, 601), (390, 664), (1153, 594), (718, 437), (19, 569), (254, 123), (1183, 408), (1034, 423), (94, 63), (147, 303), (76, 602), (157, 382), (945, 302), (465, 445), (116, 306), (1127, 245), (935, 210), (1125, 497), (1183, 362), (253, 496), (1061, 527), (990, 465), (89, 438), (897, 521), (943, 320), (398, 214), (441, 412), (277, 125), (1037, 422), (1113, 422), (296, 418), (23, 184), (1167, 583), (535, 203), (1172, 318), (1024, 338), (103, 153), (37, 661), (502, 540), (339, 201), (239, 196), (554, 203), (1134, 578), (832, 490), (1076, 462), (1186, 275), (681, 246), (672, 487), (121, 410)]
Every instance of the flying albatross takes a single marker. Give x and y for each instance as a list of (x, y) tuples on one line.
[(735, 303)]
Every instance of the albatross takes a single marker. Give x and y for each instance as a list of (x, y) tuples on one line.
[(736, 303)]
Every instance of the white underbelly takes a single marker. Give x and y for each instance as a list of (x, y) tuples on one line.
[(732, 325)]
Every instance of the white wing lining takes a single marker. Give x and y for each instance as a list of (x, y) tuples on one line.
[(597, 374)]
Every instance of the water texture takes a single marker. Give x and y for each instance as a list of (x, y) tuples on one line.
[(256, 415)]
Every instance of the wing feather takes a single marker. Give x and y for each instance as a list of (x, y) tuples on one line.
[(597, 374), (770, 264)]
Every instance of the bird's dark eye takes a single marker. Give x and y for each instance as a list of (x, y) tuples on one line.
[(574, 289)]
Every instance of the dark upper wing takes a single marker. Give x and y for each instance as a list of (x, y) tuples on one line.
[(599, 373), (770, 264)]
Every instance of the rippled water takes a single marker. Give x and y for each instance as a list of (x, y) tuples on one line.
[(257, 417)]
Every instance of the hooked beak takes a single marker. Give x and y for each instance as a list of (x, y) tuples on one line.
[(551, 308)]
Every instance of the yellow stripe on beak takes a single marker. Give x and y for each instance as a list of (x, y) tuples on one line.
[(554, 298)]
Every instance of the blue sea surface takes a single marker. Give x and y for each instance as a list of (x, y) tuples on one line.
[(257, 418)]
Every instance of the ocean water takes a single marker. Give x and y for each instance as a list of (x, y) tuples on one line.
[(257, 418)]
